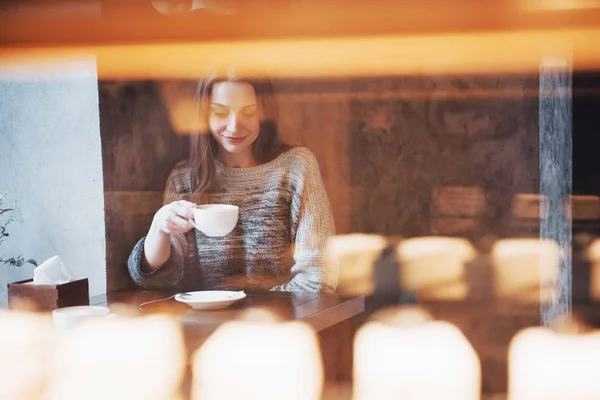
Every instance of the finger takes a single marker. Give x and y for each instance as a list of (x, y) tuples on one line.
[(181, 223), (187, 203), (174, 228), (183, 211)]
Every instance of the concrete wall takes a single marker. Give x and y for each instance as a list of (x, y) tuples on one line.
[(51, 166)]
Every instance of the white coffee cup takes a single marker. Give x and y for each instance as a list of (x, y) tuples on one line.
[(68, 318), (215, 219)]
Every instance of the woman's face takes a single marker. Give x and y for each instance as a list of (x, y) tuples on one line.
[(234, 118)]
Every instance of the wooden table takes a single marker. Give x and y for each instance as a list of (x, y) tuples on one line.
[(329, 315)]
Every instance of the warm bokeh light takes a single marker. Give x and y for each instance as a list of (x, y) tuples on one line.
[(525, 269), (26, 341), (407, 357), (554, 5), (456, 53), (529, 206), (435, 266), (547, 365), (259, 360), (122, 358), (582, 207), (182, 106), (354, 256), (593, 255)]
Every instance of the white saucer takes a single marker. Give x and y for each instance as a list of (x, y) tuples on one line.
[(210, 299)]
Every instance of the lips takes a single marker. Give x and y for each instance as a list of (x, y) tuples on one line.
[(234, 139)]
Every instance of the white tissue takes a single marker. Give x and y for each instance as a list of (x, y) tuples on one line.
[(51, 272)]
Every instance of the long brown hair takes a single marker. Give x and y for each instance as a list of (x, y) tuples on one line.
[(203, 147)]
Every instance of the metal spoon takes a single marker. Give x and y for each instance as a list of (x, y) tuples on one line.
[(165, 299)]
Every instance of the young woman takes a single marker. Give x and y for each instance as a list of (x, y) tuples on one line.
[(284, 214)]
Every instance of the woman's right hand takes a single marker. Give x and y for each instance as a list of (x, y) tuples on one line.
[(174, 217)]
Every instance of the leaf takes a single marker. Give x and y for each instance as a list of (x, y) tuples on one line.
[(18, 262), (12, 262)]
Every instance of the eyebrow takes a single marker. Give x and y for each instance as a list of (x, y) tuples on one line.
[(224, 106)]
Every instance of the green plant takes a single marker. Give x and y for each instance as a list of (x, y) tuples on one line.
[(20, 260)]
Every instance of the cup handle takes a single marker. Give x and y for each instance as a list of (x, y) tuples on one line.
[(193, 223)]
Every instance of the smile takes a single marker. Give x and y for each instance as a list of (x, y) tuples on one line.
[(234, 139)]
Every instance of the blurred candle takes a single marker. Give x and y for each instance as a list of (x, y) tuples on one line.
[(121, 358), (525, 269), (259, 360), (25, 351), (407, 356), (435, 266), (545, 365), (354, 257)]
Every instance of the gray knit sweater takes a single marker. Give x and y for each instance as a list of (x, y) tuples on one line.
[(284, 223)]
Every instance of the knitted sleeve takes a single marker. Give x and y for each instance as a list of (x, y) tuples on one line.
[(170, 274), (311, 225)]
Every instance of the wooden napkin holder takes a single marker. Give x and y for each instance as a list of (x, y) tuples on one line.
[(49, 297)]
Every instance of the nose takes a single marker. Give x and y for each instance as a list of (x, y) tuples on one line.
[(232, 123)]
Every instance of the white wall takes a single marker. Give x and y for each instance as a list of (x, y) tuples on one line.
[(50, 162)]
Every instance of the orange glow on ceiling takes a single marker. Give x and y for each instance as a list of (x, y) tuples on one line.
[(514, 51)]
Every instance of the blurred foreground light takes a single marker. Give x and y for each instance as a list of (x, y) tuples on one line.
[(434, 267), (259, 359), (457, 53), (529, 206), (122, 358), (182, 106), (71, 66), (26, 341), (580, 207), (525, 269), (544, 364), (556, 5), (174, 7), (354, 257), (593, 255), (406, 355)]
